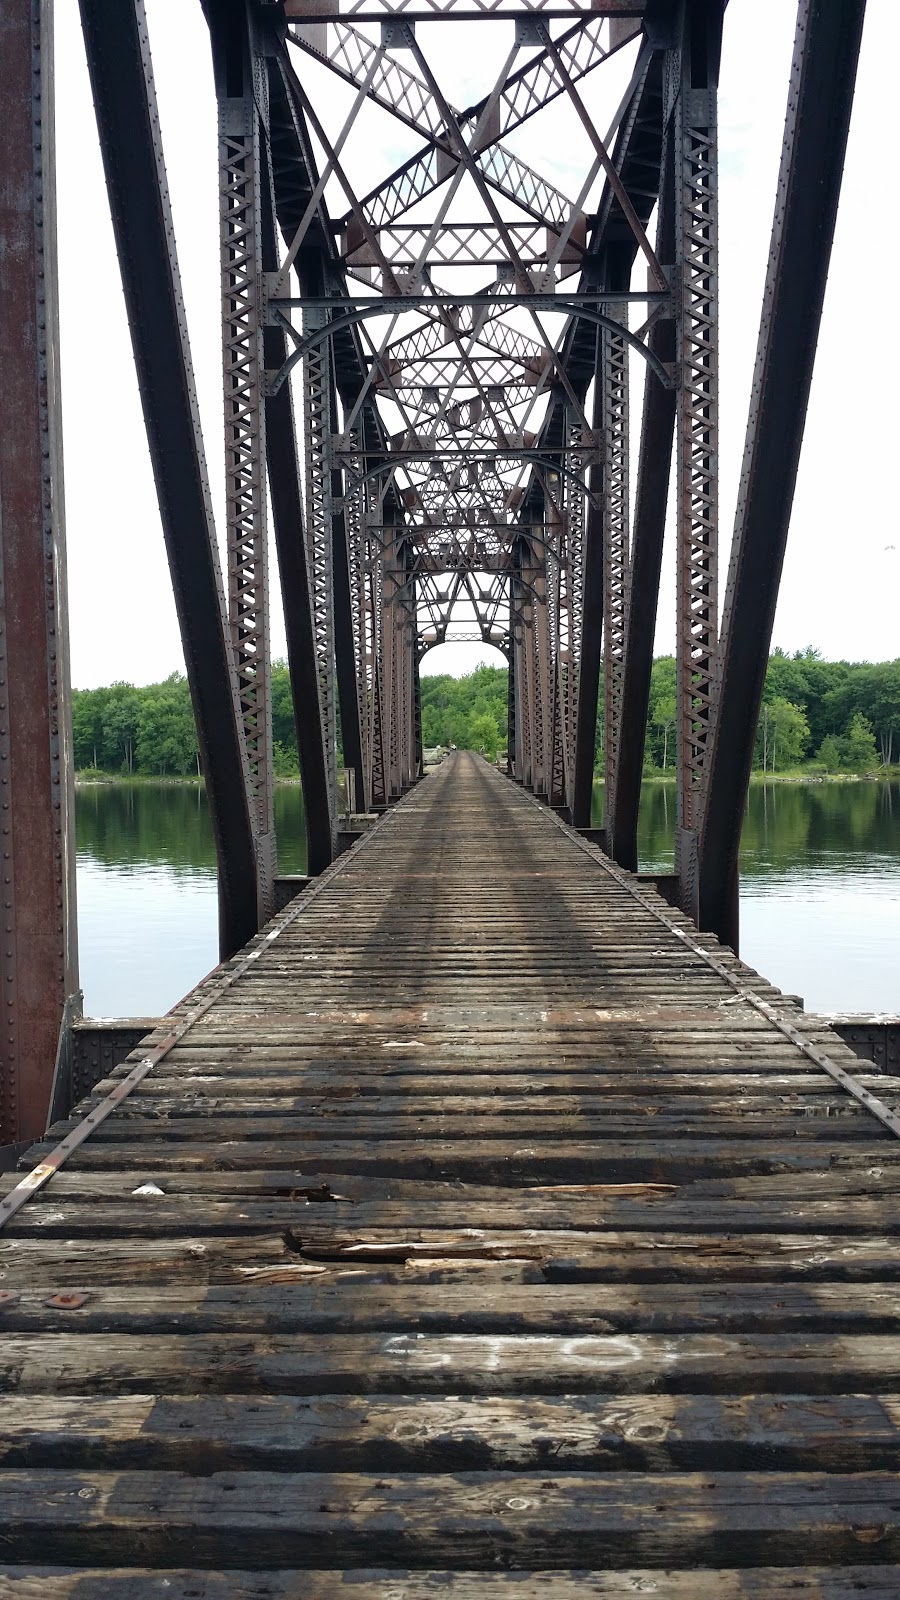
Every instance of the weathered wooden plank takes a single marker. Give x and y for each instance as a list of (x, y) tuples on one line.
[(130, 1127), (147, 1215), (558, 1257), (448, 1297), (460, 1520), (508, 1161), (396, 1363), (347, 1433), (205, 1101), (761, 1583), (864, 1180), (375, 1083)]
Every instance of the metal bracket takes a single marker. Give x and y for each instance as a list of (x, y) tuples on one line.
[(397, 35)]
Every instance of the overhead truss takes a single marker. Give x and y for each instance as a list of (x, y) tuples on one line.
[(463, 273), (464, 316)]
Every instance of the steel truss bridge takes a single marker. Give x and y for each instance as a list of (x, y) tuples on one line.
[(427, 374), (482, 1226)]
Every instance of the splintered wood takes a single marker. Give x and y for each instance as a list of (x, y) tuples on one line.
[(479, 1238)]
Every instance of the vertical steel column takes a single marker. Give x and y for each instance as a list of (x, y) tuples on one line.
[(317, 436), (377, 709), (616, 512), (349, 642), (402, 687), (651, 497), (556, 616), (391, 641), (543, 679), (118, 54), (345, 651), (522, 644), (697, 354), (419, 753), (512, 685), (410, 675), (407, 659), (38, 956), (241, 87), (591, 623), (529, 703), (820, 97), (286, 492), (572, 593), (286, 495)]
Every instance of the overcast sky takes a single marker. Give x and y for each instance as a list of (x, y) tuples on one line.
[(841, 585)]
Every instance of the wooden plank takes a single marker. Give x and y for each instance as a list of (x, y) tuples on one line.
[(773, 1123), (217, 1101), (344, 1223), (346, 1433), (425, 1363), (561, 1257), (509, 1161), (864, 1180), (761, 1583), (460, 1297), (375, 1083), (466, 1519)]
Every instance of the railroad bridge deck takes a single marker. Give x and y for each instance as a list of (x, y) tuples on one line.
[(480, 1229)]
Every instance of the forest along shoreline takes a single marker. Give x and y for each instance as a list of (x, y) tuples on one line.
[(819, 720)]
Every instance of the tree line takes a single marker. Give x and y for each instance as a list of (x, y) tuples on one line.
[(149, 730), (838, 716)]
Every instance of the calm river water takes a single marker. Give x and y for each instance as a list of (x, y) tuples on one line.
[(820, 891)]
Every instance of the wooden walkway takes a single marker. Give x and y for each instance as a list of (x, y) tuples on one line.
[(480, 1237)]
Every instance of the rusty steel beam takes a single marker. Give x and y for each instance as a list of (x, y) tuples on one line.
[(591, 626), (419, 768), (820, 97), (242, 104), (345, 644), (286, 496), (121, 73), (697, 419), (286, 500), (651, 497), (38, 957)]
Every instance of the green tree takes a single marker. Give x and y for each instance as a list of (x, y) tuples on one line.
[(284, 762), (782, 735), (879, 699), (663, 716), (119, 726), (454, 709), (830, 753), (851, 751), (859, 744), (88, 707), (662, 713), (283, 730), (483, 735), (166, 737)]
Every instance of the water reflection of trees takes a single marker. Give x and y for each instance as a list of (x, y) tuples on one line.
[(123, 824), (786, 825)]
